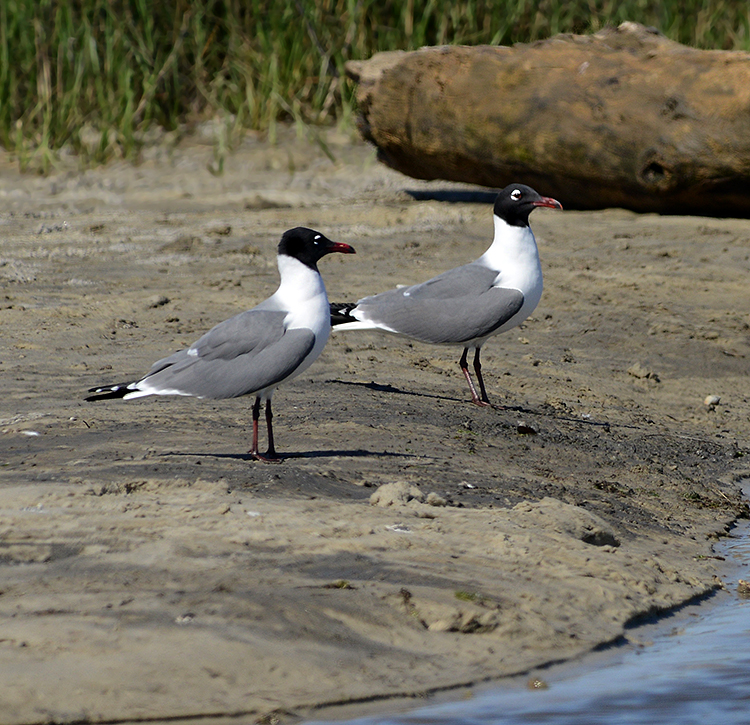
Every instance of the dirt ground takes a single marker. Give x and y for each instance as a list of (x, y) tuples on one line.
[(150, 569)]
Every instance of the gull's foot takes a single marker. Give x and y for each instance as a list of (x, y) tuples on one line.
[(267, 457)]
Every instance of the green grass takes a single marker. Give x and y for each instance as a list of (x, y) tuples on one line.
[(94, 76)]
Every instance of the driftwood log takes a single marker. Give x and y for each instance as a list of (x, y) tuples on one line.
[(622, 118)]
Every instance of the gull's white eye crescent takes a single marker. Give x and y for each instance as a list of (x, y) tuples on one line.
[(515, 194), (316, 237)]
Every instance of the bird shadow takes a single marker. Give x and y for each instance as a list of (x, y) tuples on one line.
[(387, 388), (339, 453), (380, 388), (516, 409), (463, 196), (357, 453)]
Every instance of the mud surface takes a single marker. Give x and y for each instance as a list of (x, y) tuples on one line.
[(149, 569)]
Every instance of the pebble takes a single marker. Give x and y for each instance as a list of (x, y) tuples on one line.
[(399, 528), (156, 301), (263, 201), (711, 400), (397, 493), (642, 372), (535, 683), (434, 499)]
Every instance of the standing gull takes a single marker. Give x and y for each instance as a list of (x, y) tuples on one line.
[(254, 351), (468, 304)]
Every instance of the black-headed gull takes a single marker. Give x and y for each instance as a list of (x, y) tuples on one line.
[(468, 304), (257, 350)]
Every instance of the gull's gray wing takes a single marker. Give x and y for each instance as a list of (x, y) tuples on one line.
[(454, 307), (246, 353)]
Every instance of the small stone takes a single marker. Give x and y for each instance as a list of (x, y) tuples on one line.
[(258, 202), (434, 499), (221, 230), (397, 493), (442, 625), (535, 683), (156, 301), (642, 373), (711, 400), (399, 528)]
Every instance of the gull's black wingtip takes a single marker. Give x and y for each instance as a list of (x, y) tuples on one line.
[(108, 392), (340, 313)]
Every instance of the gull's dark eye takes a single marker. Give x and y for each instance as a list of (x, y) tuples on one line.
[(515, 194)]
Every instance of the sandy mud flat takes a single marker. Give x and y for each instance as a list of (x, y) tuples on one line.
[(149, 569)]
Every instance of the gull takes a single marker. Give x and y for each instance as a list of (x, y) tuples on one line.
[(255, 351), (469, 304)]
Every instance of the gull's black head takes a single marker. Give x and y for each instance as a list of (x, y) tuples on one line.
[(516, 201), (309, 246)]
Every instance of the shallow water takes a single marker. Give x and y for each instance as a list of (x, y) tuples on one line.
[(693, 667)]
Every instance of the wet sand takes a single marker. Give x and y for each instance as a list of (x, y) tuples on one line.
[(151, 570)]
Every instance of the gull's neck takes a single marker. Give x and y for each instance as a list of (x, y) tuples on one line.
[(511, 246), (513, 254), (302, 295), (299, 283)]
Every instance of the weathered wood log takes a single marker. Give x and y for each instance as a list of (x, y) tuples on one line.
[(623, 118)]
